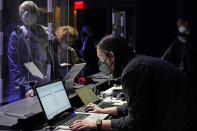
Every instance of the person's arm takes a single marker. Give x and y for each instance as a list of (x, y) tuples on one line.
[(136, 85), (97, 109), (74, 56), (174, 53), (106, 125), (56, 73), (166, 54), (91, 124), (17, 73), (111, 110), (121, 110)]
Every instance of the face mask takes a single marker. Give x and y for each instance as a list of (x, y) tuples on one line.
[(65, 46), (182, 29), (29, 19), (104, 68)]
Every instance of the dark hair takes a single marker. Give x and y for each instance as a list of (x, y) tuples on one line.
[(122, 53)]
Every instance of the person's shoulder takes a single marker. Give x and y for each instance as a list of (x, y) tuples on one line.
[(140, 61), (13, 34), (136, 60), (71, 49), (17, 32), (158, 64), (132, 65), (153, 62), (42, 26), (45, 30)]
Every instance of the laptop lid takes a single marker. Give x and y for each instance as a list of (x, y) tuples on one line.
[(33, 69), (68, 80), (86, 99), (74, 71), (53, 100)]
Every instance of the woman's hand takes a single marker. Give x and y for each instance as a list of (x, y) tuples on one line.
[(84, 124), (29, 93), (94, 107)]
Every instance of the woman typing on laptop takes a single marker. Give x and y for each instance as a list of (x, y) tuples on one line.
[(157, 93)]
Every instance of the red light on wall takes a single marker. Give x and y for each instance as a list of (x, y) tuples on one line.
[(78, 5)]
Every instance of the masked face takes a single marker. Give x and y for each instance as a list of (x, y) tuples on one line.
[(182, 29), (28, 18), (106, 62), (104, 68)]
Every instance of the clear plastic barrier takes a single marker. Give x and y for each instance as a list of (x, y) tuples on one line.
[(36, 46)]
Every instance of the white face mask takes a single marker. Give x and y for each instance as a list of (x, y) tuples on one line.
[(182, 29), (29, 19), (65, 46)]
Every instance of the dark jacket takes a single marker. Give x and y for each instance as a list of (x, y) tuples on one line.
[(90, 57), (158, 97), (178, 54)]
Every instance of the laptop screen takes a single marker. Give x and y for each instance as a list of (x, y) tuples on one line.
[(53, 98), (86, 99)]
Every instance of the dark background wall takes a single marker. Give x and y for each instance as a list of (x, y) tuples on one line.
[(155, 25), (98, 15), (156, 28), (155, 22)]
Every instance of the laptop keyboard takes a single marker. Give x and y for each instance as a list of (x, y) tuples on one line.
[(77, 117)]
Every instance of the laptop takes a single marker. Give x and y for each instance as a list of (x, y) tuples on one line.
[(71, 75), (57, 107), (92, 97), (86, 99)]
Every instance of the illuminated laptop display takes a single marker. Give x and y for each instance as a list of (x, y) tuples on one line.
[(54, 99)]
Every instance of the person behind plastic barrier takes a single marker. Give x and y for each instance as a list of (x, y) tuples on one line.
[(28, 43), (157, 93), (88, 51), (66, 36), (178, 52)]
